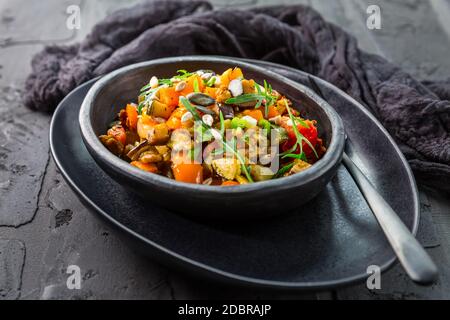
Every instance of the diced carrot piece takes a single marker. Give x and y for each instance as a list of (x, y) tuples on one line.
[(188, 172), (254, 113), (230, 74), (210, 92), (236, 74), (225, 77), (132, 116), (248, 86), (273, 112), (230, 183), (174, 121), (169, 96), (190, 84), (149, 167)]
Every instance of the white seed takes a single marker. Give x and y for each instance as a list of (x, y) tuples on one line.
[(208, 181), (216, 134), (265, 159), (276, 120), (200, 73), (208, 119), (217, 81), (180, 86), (235, 87), (186, 117), (206, 76), (154, 82), (250, 120), (289, 123)]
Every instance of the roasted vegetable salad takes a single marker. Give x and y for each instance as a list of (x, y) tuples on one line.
[(214, 129)]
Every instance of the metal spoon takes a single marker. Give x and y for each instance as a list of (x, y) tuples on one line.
[(412, 256)]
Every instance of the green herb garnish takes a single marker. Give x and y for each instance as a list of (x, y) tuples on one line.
[(301, 156), (283, 170), (190, 108), (298, 135), (211, 81), (259, 98), (196, 87), (227, 146)]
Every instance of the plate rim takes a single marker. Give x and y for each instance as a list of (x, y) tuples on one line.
[(213, 272)]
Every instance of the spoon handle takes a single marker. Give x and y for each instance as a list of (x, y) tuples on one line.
[(416, 262)]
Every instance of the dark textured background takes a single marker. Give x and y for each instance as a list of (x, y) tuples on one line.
[(43, 226)]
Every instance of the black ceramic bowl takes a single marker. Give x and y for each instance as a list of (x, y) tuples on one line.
[(250, 201)]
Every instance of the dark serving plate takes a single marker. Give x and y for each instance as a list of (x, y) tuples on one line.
[(113, 91), (329, 242)]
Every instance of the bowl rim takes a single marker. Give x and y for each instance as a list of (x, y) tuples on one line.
[(332, 156)]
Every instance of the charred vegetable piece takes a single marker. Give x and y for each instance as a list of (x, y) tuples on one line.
[(118, 133), (159, 109), (222, 95), (158, 134), (261, 173), (113, 145), (149, 167), (134, 153), (227, 168), (150, 157), (227, 111), (299, 165)]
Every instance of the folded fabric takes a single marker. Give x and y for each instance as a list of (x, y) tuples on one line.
[(417, 115)]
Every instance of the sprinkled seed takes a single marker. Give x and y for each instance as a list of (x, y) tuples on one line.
[(186, 117), (154, 82), (289, 123), (206, 76), (276, 120), (216, 134), (208, 119), (217, 81), (180, 86), (208, 181), (265, 159)]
